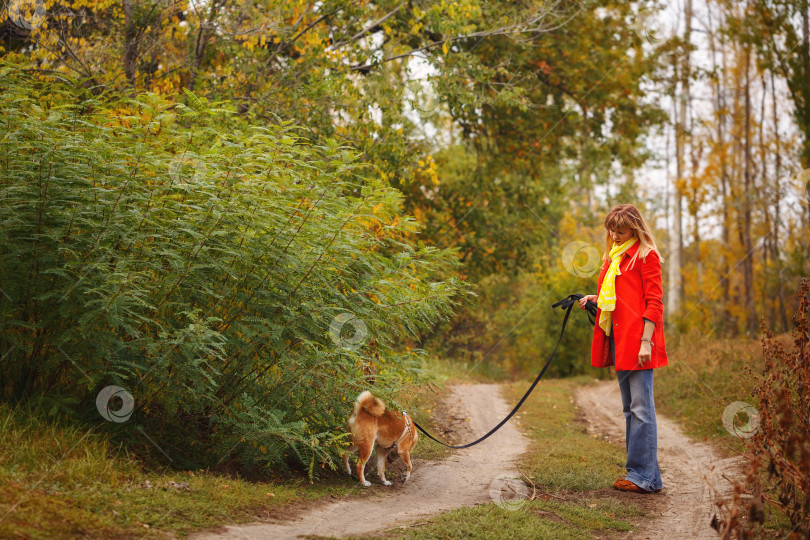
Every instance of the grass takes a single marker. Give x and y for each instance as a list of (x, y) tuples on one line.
[(421, 403), (570, 468), (58, 481), (563, 456), (535, 519), (704, 376)]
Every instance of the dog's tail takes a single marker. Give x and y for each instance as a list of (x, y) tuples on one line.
[(369, 403)]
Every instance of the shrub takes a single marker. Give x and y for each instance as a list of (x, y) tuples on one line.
[(782, 442), (198, 263)]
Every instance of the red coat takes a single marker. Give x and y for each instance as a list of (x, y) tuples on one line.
[(638, 294)]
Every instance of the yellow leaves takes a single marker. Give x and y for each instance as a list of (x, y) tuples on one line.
[(92, 4), (118, 116), (428, 170), (445, 48), (313, 39)]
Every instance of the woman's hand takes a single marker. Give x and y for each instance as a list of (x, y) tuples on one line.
[(644, 353), (584, 300)]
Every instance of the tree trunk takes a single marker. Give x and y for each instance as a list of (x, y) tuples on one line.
[(805, 92), (130, 43), (777, 202), (721, 109), (805, 83), (203, 35), (766, 298), (748, 260), (675, 285)]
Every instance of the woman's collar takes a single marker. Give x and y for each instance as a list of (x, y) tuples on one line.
[(629, 252)]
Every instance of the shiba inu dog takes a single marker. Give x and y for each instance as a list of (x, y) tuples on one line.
[(394, 433)]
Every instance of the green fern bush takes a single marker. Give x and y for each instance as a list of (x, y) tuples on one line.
[(198, 262)]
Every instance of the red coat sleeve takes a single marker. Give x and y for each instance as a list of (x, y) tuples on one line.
[(651, 286)]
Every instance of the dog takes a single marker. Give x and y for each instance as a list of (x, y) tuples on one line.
[(394, 433)]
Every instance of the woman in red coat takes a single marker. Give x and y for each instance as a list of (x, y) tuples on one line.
[(629, 335)]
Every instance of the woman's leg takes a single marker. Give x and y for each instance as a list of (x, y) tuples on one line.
[(642, 439), (624, 388)]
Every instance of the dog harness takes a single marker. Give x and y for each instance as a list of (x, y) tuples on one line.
[(405, 431)]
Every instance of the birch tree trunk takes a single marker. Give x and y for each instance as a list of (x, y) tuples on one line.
[(675, 282), (777, 202), (721, 114), (745, 231)]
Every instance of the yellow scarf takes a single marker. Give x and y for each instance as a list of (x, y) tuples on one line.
[(607, 294)]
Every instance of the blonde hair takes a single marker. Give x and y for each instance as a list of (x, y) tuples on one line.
[(627, 216)]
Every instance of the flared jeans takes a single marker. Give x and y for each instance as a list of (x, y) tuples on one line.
[(641, 438)]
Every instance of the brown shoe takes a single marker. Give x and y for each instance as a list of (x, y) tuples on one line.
[(626, 485)]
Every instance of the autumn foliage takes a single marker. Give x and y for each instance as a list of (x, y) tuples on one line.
[(779, 453)]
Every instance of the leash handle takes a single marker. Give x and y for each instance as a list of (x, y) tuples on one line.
[(590, 307), (566, 304)]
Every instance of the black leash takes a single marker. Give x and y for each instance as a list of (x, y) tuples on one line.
[(566, 303)]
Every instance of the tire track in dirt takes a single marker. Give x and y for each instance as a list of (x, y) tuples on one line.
[(689, 469), (463, 479)]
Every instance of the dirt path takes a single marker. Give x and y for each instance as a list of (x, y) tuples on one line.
[(463, 479), (689, 469)]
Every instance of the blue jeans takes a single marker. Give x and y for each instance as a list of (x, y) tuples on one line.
[(641, 439)]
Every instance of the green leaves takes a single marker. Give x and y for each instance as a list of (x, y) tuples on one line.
[(199, 263)]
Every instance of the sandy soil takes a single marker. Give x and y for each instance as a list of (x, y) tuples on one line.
[(689, 469), (463, 479)]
